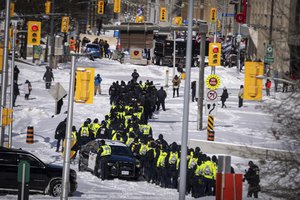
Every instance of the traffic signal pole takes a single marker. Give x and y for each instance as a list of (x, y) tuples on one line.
[(52, 38), (66, 164), (10, 128), (4, 70), (184, 136)]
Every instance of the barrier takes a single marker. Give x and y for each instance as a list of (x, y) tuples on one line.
[(29, 138), (232, 188), (210, 135)]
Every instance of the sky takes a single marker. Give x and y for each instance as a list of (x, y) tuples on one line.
[(248, 125)]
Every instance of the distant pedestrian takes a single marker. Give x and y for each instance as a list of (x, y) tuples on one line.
[(60, 133), (60, 103), (224, 97), (48, 77), (176, 83), (252, 177), (161, 96), (135, 75), (72, 44), (15, 93), (27, 89), (77, 45), (84, 41), (16, 73), (241, 96), (268, 87), (97, 84), (193, 87)]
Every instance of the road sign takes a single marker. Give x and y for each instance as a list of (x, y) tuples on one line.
[(268, 60), (57, 91), (213, 81), (211, 108), (240, 18), (212, 95), (228, 14)]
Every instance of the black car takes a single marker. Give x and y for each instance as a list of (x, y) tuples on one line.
[(44, 178), (121, 162)]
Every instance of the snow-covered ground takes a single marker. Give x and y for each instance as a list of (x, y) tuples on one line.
[(247, 125)]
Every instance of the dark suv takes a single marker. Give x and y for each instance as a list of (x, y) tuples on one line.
[(121, 162), (45, 178)]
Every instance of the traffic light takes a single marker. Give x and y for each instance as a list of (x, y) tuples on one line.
[(253, 86), (64, 24), (177, 21), (117, 6), (84, 85), (6, 119), (34, 33), (11, 9), (213, 15), (48, 7), (163, 14), (214, 54), (100, 7)]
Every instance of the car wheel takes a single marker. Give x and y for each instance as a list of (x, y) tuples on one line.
[(56, 188), (161, 62)]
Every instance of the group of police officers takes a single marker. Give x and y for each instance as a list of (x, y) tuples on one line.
[(132, 105)]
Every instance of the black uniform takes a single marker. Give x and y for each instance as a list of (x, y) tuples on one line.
[(252, 177), (161, 96), (60, 133)]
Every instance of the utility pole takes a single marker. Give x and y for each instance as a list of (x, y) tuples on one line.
[(185, 124), (12, 78), (66, 166), (271, 22), (4, 70), (52, 38)]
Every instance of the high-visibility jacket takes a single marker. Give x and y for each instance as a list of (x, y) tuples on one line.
[(143, 149), (161, 159), (198, 170), (173, 157), (208, 170), (95, 127), (106, 150), (129, 141), (74, 135), (145, 129), (127, 117), (72, 44), (154, 151), (192, 162), (85, 131), (114, 137)]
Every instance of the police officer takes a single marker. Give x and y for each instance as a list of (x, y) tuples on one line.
[(95, 127), (60, 133), (208, 172), (85, 134), (173, 160), (103, 154)]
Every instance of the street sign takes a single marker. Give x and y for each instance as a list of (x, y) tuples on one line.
[(228, 14), (240, 18), (211, 108), (213, 81), (212, 95), (268, 60), (57, 91)]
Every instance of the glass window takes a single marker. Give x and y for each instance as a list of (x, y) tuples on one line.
[(8, 159), (31, 160)]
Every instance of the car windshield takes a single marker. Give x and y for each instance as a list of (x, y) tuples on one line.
[(120, 151)]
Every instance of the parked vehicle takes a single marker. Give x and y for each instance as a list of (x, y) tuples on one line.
[(93, 49), (121, 162), (163, 52), (44, 178)]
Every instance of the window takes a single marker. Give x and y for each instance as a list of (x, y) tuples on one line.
[(31, 160), (8, 159)]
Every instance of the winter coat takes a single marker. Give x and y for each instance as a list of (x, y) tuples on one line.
[(98, 80), (27, 87), (16, 73), (135, 75), (16, 89), (48, 76), (224, 95), (176, 82), (161, 95), (60, 131), (241, 93), (268, 84), (252, 175)]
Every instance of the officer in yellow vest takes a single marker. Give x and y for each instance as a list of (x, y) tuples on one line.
[(208, 172), (95, 127), (103, 154), (172, 170), (198, 187), (162, 167), (85, 134)]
